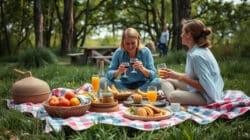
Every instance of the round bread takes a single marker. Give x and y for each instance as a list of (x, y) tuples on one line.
[(140, 111), (137, 98)]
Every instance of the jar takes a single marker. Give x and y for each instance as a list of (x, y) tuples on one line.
[(107, 98)]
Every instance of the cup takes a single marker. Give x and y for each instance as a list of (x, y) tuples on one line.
[(152, 94), (175, 106), (95, 79), (161, 66)]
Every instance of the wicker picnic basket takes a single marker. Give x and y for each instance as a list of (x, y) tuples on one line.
[(65, 112), (29, 89)]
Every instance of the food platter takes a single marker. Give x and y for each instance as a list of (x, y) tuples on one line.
[(168, 114)]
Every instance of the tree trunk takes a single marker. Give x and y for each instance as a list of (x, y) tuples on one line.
[(48, 22), (38, 23), (5, 32), (163, 9), (68, 23), (86, 22), (181, 10)]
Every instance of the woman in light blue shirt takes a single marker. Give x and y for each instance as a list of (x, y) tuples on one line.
[(202, 82), (145, 75)]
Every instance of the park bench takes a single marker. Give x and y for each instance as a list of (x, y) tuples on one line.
[(76, 58)]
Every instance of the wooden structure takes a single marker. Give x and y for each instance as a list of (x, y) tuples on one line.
[(98, 53), (95, 55)]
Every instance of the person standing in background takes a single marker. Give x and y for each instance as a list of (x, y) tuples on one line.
[(163, 42)]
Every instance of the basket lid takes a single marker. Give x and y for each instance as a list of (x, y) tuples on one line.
[(30, 86)]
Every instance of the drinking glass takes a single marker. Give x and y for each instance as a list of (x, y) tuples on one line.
[(95, 83), (152, 94), (161, 66), (126, 65), (132, 61)]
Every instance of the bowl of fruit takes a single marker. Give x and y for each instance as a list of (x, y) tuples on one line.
[(67, 105)]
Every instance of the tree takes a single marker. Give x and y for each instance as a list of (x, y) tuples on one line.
[(181, 9), (38, 23), (67, 27), (4, 42)]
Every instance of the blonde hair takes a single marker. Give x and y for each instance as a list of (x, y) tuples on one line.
[(198, 31), (131, 33)]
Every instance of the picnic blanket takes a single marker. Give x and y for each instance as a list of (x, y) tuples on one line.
[(234, 104)]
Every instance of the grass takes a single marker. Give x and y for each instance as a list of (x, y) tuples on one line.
[(235, 72)]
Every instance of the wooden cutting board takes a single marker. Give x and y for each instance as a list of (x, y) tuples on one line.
[(104, 109)]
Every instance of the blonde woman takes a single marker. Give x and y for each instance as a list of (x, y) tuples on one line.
[(145, 72), (201, 83)]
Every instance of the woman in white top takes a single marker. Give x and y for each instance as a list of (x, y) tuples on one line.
[(202, 82)]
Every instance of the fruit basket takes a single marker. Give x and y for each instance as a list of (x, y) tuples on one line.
[(66, 111)]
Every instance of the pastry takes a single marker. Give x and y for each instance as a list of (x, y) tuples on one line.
[(140, 111), (137, 98), (150, 112), (155, 109)]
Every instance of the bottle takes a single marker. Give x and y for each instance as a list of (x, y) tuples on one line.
[(102, 83), (101, 71)]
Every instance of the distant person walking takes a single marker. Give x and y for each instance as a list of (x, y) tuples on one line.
[(163, 42)]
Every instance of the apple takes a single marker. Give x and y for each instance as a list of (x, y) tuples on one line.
[(53, 101), (69, 95), (63, 101)]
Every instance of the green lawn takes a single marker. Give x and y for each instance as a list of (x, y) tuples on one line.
[(13, 123)]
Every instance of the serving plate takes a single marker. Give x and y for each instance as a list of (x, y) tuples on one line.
[(104, 105), (168, 114)]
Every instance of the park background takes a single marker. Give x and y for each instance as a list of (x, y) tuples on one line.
[(36, 35)]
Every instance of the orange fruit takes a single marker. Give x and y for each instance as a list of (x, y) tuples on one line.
[(75, 101), (53, 101), (69, 95)]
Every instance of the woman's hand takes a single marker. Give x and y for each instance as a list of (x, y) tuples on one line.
[(138, 65), (169, 73), (121, 69)]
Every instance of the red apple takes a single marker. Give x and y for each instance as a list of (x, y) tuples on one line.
[(69, 95), (63, 101)]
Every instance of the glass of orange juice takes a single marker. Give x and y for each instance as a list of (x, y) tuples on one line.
[(95, 83), (152, 94), (161, 66)]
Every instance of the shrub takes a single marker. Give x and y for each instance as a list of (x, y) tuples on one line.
[(36, 57)]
